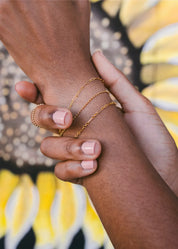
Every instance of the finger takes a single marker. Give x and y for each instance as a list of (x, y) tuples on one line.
[(73, 171), (51, 117), (29, 92), (66, 148), (128, 96)]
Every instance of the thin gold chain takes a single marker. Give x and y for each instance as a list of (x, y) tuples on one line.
[(92, 117), (61, 132), (80, 90), (77, 114), (97, 94)]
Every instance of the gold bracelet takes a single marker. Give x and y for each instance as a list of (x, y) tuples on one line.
[(97, 94), (76, 115), (80, 90), (92, 117), (61, 131)]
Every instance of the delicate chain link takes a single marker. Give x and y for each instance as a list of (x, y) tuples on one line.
[(80, 90), (97, 94), (92, 117), (77, 114), (61, 132)]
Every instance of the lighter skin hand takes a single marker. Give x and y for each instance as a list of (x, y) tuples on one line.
[(143, 120), (141, 117)]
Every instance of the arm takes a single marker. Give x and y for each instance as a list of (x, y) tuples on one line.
[(133, 116), (120, 202)]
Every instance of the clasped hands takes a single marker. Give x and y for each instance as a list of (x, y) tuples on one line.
[(47, 63), (78, 156)]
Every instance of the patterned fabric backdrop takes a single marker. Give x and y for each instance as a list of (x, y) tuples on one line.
[(38, 211)]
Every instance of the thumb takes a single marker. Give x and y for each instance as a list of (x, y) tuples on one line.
[(128, 96), (29, 92)]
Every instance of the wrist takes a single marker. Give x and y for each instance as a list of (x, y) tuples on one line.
[(59, 86)]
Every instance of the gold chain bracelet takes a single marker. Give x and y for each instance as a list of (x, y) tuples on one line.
[(92, 117), (80, 90), (61, 132), (76, 115)]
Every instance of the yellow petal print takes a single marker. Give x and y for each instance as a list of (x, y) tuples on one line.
[(158, 72), (111, 7), (161, 15), (8, 182), (94, 231), (42, 225), (162, 47), (67, 212), (164, 94), (133, 8), (21, 211)]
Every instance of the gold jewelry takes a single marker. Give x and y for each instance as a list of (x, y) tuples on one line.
[(92, 117), (76, 115), (35, 122), (106, 91), (80, 90), (61, 131)]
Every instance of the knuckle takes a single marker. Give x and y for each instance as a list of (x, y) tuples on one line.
[(40, 116), (70, 148), (68, 170)]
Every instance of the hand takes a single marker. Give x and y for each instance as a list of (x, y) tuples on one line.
[(139, 114), (42, 37)]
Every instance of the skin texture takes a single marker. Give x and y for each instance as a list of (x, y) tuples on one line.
[(50, 28), (137, 208)]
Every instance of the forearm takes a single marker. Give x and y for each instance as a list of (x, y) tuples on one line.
[(128, 194), (136, 207)]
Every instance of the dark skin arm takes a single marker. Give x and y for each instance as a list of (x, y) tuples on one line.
[(138, 117), (137, 203)]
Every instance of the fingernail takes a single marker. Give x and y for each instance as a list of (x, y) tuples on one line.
[(98, 51), (59, 117), (89, 148), (88, 164)]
